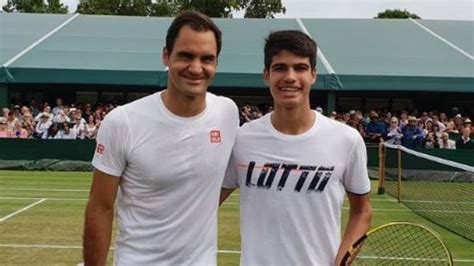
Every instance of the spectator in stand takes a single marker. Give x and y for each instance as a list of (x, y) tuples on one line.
[(90, 127), (451, 128), (88, 110), (53, 131), (353, 119), (436, 121), (20, 132), (28, 123), (436, 132), (3, 129), (424, 117), (66, 132), (46, 110), (4, 114), (467, 123), (465, 142), (387, 119), (245, 114), (61, 116), (458, 122), (17, 113), (403, 119), (446, 143), (394, 134), (79, 125), (412, 135), (256, 113), (58, 107), (333, 115), (11, 121), (443, 118), (421, 125), (375, 129), (431, 142), (34, 107), (360, 127), (43, 125), (346, 117), (428, 127)]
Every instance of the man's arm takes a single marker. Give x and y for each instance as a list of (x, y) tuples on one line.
[(360, 214), (225, 193), (99, 217)]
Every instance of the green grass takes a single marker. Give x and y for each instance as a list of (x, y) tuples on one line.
[(50, 233)]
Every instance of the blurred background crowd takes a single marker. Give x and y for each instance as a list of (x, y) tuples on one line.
[(414, 129)]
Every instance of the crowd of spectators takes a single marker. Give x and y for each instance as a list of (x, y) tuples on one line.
[(429, 130), (42, 121), (410, 129)]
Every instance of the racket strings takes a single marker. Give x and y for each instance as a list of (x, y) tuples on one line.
[(402, 244)]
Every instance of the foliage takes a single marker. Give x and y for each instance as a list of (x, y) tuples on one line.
[(397, 13), (162, 8), (35, 6), (263, 9), (212, 8)]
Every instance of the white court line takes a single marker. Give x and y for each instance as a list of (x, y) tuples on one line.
[(46, 190), (234, 203), (65, 199), (21, 210), (80, 247), (374, 200), (376, 209), (423, 201)]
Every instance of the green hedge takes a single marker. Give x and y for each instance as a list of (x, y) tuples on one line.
[(36, 149)]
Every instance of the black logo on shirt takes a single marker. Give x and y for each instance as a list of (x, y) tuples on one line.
[(280, 171)]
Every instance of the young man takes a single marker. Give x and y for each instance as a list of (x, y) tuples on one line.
[(166, 155), (293, 167)]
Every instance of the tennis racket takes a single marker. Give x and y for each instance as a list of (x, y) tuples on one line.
[(398, 243)]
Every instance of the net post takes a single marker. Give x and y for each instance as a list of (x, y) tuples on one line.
[(399, 184), (381, 188)]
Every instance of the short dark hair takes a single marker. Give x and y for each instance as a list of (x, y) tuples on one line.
[(198, 22), (292, 41)]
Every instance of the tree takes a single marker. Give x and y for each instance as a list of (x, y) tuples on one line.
[(35, 6), (212, 8), (397, 13), (163, 9), (224, 9), (127, 7), (263, 9)]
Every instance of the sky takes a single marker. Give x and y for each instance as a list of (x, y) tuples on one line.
[(426, 9)]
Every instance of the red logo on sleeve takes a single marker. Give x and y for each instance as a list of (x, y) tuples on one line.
[(100, 149), (215, 136)]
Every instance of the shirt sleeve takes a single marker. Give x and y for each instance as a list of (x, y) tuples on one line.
[(231, 178), (356, 177), (112, 140)]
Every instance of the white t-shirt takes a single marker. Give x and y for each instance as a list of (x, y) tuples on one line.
[(292, 188), (172, 170)]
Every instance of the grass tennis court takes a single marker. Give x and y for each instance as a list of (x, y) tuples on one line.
[(41, 220)]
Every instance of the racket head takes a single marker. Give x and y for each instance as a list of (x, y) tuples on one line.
[(399, 243)]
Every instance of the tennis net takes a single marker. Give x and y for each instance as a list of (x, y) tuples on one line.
[(440, 190)]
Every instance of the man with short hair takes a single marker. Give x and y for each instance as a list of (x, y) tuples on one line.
[(465, 142), (167, 153), (294, 166), (412, 136), (446, 143)]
